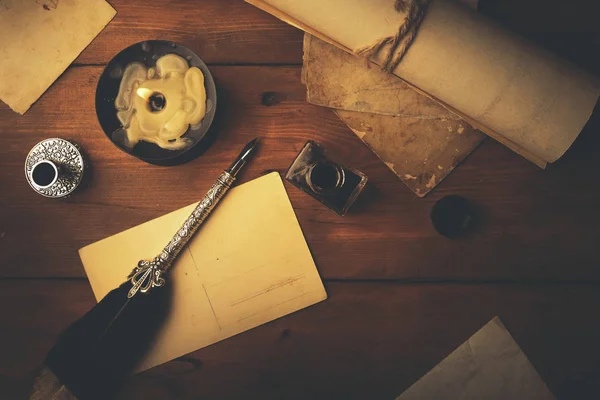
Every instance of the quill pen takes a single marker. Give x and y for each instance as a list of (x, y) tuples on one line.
[(94, 355)]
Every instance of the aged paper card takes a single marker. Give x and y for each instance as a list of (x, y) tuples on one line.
[(39, 39), (247, 265), (490, 365)]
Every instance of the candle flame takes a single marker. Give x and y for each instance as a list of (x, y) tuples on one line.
[(144, 93)]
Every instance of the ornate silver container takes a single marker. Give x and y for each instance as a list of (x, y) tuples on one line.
[(54, 167)]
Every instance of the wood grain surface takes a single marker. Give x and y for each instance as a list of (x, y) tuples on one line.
[(401, 297), (533, 222), (368, 341), (220, 31)]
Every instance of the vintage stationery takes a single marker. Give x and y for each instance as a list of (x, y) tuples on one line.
[(98, 352), (489, 365), (317, 174), (40, 38), (55, 168), (248, 265), (526, 98), (419, 140)]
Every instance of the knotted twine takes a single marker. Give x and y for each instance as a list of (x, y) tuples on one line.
[(396, 46)]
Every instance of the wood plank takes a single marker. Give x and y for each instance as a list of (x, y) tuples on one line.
[(535, 224), (367, 340), (219, 31)]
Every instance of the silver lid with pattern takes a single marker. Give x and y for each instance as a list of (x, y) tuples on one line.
[(54, 167)]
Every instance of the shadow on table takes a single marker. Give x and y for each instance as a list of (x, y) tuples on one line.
[(567, 28)]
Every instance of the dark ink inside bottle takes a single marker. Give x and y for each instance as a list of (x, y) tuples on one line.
[(332, 184), (325, 176), (44, 174)]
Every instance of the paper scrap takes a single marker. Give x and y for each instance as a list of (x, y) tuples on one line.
[(490, 365), (40, 39)]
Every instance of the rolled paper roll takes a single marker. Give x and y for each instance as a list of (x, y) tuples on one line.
[(521, 95)]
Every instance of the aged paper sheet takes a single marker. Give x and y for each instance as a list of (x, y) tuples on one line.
[(247, 265), (490, 365), (419, 140), (340, 80), (420, 152), (521, 95), (38, 41)]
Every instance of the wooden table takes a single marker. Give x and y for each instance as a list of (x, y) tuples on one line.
[(401, 297)]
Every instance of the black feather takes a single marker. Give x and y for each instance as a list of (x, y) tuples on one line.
[(97, 353)]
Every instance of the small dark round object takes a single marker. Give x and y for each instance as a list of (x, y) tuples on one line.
[(325, 176), (157, 102), (270, 99), (44, 174), (453, 216), (147, 53)]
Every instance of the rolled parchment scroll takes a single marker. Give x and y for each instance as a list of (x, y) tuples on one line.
[(521, 95)]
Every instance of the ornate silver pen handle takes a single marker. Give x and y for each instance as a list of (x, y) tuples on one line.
[(191, 224), (149, 274)]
